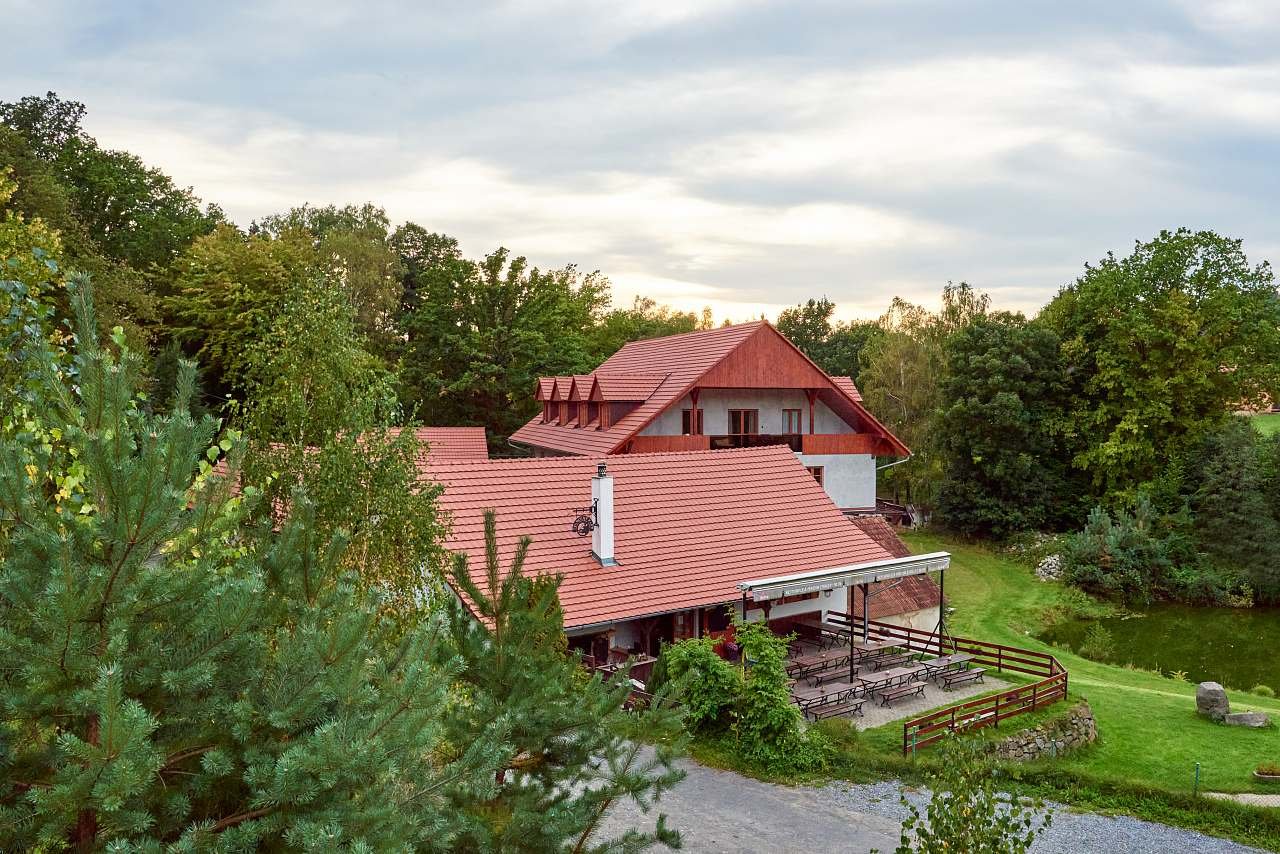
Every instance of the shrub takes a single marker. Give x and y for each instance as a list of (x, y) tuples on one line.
[(770, 728), (1263, 690), (707, 685), (1098, 643), (1270, 769), (1124, 556), (967, 812)]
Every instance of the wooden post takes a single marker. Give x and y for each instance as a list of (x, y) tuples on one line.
[(865, 611), (695, 427), (812, 394)]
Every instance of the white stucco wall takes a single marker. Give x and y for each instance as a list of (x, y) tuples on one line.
[(716, 403), (850, 479), (925, 620)]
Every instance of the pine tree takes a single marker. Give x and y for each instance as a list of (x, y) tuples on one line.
[(570, 749), (1234, 521), (170, 677)]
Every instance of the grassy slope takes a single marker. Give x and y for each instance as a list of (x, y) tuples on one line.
[(1150, 732), (1268, 423)]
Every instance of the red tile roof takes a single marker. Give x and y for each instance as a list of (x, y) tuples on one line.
[(454, 443), (634, 387), (845, 384), (688, 526), (683, 358), (580, 388), (545, 386), (889, 598), (680, 361)]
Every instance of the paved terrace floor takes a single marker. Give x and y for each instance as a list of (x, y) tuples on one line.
[(874, 715)]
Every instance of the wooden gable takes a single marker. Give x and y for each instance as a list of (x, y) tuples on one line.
[(765, 360)]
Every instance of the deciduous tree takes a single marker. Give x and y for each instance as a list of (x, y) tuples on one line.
[(1161, 345)]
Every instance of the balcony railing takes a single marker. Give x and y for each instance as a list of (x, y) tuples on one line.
[(794, 441), (805, 443)]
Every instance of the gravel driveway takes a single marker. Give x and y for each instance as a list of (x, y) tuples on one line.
[(1071, 833), (722, 811)]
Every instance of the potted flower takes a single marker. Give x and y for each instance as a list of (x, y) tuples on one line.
[(1268, 771)]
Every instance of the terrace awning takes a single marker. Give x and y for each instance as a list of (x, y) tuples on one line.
[(836, 578)]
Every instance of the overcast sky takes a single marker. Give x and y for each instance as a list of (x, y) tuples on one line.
[(745, 155)]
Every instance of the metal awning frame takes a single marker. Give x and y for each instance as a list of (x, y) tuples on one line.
[(840, 577)]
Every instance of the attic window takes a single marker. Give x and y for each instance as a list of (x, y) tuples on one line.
[(818, 472), (691, 422)]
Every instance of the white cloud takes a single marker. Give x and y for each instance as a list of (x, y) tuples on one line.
[(749, 169)]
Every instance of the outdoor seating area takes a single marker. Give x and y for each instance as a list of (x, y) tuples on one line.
[(835, 671)]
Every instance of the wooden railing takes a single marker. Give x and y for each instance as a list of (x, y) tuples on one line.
[(663, 444), (841, 443), (755, 440), (985, 711)]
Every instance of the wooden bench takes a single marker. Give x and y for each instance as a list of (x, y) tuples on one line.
[(952, 678), (884, 662), (853, 705), (888, 695)]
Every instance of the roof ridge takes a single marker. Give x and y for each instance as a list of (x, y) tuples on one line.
[(713, 330)]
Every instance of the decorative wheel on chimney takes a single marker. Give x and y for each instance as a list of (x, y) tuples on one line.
[(585, 522)]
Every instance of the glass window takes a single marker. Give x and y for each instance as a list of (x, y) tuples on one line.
[(744, 422), (791, 421), (691, 422)]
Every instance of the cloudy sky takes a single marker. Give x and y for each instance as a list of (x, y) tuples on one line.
[(743, 155)]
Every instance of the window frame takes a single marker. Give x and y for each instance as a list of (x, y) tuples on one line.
[(686, 421), (788, 415), (741, 415), (819, 474)]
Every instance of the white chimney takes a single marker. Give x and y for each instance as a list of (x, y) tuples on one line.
[(602, 501)]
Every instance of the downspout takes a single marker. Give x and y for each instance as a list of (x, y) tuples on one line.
[(905, 459)]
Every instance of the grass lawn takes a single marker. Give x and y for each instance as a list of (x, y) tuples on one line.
[(1267, 423), (1150, 733)]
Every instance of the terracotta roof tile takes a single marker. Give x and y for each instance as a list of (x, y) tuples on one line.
[(454, 443), (684, 358), (889, 598), (580, 387), (845, 384), (688, 526), (545, 386), (634, 387), (680, 361)]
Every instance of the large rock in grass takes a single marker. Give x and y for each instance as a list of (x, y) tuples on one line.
[(1211, 701), (1257, 720)]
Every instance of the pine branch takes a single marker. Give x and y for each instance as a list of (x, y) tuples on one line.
[(233, 820)]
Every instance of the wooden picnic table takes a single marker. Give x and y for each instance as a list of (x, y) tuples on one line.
[(941, 664), (821, 629), (888, 678), (863, 650), (835, 692), (803, 665)]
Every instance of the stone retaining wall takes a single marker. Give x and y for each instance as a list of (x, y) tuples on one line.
[(1061, 735)]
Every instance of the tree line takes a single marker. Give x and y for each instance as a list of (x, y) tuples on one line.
[(1114, 406), (425, 332)]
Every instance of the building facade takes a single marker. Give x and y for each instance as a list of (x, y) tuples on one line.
[(741, 386)]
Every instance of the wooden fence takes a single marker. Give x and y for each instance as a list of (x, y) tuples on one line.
[(985, 711)]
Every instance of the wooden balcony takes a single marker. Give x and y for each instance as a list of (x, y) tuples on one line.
[(755, 440), (801, 443), (842, 443), (663, 444)]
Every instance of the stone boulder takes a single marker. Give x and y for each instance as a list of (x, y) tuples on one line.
[(1257, 720), (1050, 569), (1211, 701)]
